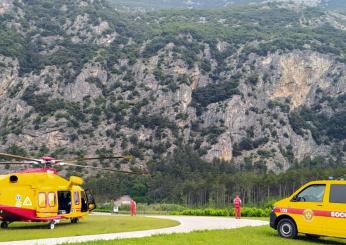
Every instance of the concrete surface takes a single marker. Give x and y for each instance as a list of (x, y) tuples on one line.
[(187, 224)]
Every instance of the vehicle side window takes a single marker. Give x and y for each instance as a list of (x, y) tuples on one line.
[(76, 198), (312, 193), (42, 200), (337, 194)]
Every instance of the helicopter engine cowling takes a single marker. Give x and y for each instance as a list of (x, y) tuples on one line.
[(74, 180)]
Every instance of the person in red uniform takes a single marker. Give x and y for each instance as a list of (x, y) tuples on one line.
[(237, 205), (133, 207)]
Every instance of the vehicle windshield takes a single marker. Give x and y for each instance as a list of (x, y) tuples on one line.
[(312, 193)]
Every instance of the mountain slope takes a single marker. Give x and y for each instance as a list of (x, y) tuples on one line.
[(261, 88), (145, 5)]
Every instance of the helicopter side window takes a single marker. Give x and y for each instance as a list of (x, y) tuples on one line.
[(42, 200), (13, 179), (76, 198), (51, 199)]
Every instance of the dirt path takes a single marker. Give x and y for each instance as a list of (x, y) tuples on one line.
[(187, 224)]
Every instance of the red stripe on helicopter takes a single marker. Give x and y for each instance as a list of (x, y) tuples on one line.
[(301, 211), (38, 170), (9, 213)]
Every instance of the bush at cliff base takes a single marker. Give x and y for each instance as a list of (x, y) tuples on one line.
[(245, 212)]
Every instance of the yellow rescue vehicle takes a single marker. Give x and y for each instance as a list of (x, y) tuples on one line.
[(316, 209)]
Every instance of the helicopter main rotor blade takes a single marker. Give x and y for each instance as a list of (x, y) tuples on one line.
[(128, 158), (19, 157), (18, 163), (100, 168)]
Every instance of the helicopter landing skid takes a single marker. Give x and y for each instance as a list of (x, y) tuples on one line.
[(75, 220)]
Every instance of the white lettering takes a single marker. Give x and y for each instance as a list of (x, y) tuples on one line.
[(338, 214)]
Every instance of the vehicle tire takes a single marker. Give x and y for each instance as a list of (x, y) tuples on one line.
[(311, 236), (4, 225), (74, 220), (51, 225), (287, 228)]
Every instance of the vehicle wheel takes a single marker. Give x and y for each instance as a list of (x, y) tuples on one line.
[(51, 225), (287, 228), (4, 225), (311, 236), (74, 220)]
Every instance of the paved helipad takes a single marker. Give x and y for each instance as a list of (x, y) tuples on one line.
[(187, 224)]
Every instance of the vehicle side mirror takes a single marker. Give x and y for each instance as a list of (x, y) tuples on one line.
[(295, 199)]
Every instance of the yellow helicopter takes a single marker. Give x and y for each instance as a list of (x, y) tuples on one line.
[(39, 194)]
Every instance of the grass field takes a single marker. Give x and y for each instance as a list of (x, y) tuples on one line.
[(244, 236), (89, 225)]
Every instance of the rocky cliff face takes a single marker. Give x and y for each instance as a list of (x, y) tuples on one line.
[(149, 5), (87, 83)]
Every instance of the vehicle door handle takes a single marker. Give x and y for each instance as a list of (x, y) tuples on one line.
[(320, 205)]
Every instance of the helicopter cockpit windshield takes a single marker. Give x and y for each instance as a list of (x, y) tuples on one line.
[(90, 200)]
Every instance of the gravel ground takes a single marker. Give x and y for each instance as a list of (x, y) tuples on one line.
[(187, 224)]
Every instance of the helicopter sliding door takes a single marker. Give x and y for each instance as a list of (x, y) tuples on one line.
[(46, 203), (64, 202)]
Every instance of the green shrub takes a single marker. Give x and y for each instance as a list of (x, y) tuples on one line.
[(245, 212), (213, 93)]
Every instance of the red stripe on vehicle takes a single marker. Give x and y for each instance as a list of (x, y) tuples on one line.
[(321, 213)]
